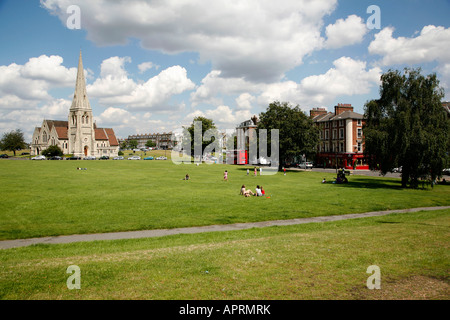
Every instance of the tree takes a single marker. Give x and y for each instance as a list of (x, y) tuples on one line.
[(53, 151), (13, 141), (150, 144), (207, 124), (407, 126), (297, 132), (132, 144)]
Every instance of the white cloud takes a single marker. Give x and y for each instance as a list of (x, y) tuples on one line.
[(345, 32), (348, 77), (223, 116), (147, 66), (26, 85), (430, 45), (114, 87), (255, 39), (214, 85)]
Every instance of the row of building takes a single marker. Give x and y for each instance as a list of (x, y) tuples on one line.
[(341, 134)]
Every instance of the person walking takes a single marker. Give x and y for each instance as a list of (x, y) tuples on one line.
[(225, 175)]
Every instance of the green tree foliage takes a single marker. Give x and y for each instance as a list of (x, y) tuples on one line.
[(53, 151), (150, 144), (407, 126), (13, 141), (132, 144), (297, 133), (207, 124)]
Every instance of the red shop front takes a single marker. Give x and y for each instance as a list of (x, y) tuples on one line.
[(355, 161)]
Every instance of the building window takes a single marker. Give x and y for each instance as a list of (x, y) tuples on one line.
[(326, 124), (341, 147), (44, 137), (341, 123), (359, 133), (333, 136), (341, 133), (359, 147), (359, 122), (334, 124), (326, 134)]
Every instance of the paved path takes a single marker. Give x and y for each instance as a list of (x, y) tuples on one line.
[(7, 244)]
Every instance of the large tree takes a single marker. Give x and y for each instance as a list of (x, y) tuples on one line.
[(407, 126), (206, 124), (297, 133), (13, 141)]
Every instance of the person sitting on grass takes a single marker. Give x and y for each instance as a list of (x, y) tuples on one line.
[(324, 181), (258, 192), (263, 193), (186, 177), (246, 193)]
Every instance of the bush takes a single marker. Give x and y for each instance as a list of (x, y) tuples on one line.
[(52, 151)]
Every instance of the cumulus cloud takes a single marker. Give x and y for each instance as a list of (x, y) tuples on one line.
[(430, 45), (347, 77), (114, 87), (147, 66), (26, 85), (345, 32), (223, 116), (255, 39)]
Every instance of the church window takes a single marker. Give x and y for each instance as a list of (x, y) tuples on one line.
[(44, 137)]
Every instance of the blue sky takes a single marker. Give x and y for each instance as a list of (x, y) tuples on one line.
[(152, 66)]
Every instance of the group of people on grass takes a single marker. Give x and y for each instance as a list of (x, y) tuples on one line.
[(247, 192)]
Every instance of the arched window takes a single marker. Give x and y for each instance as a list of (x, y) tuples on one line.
[(44, 137)]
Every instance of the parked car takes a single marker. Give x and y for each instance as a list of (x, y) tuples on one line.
[(4, 156), (305, 165), (161, 158), (446, 171), (148, 158), (89, 158), (118, 158), (103, 158), (73, 158), (399, 169), (134, 158), (41, 157), (56, 158)]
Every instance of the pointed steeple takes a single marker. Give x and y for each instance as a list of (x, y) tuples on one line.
[(80, 99)]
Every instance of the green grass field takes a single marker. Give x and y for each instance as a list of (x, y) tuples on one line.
[(48, 198), (311, 261)]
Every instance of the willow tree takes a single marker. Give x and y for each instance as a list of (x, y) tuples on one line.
[(407, 126)]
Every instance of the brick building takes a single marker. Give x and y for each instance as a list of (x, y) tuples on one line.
[(341, 137)]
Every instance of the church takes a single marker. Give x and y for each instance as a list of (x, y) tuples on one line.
[(79, 135)]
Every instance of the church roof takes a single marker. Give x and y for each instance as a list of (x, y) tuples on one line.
[(111, 137)]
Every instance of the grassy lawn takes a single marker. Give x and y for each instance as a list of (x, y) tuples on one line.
[(312, 261), (47, 198)]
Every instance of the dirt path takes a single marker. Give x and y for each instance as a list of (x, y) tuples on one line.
[(7, 244)]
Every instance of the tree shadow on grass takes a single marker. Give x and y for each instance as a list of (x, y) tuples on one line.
[(367, 183)]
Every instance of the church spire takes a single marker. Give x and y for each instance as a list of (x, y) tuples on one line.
[(80, 99)]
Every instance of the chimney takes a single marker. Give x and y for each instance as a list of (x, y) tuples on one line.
[(314, 112), (341, 108)]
